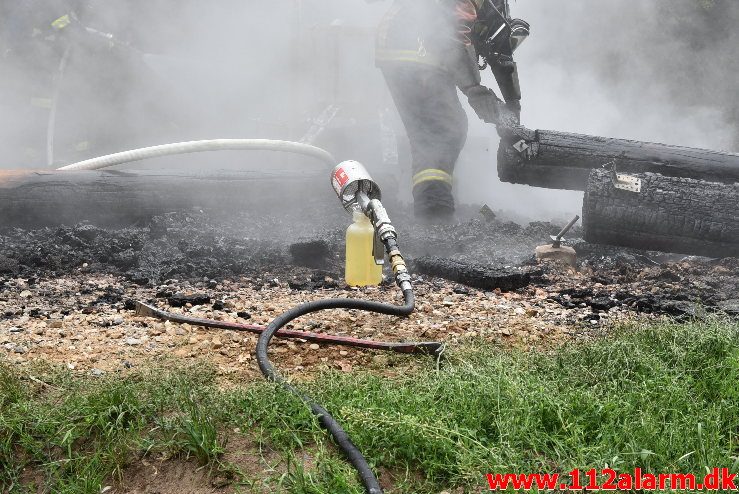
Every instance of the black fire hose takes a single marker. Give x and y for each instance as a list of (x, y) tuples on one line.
[(355, 457)]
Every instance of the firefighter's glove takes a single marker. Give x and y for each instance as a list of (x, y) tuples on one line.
[(485, 103)]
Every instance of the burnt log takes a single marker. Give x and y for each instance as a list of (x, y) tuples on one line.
[(671, 214), (561, 160), (119, 198), (311, 253), (488, 278)]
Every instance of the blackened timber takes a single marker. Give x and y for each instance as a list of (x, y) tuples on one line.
[(119, 198), (563, 160), (505, 278), (671, 214)]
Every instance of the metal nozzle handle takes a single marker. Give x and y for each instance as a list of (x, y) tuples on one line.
[(558, 238)]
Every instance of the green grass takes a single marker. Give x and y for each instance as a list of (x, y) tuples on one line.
[(663, 398)]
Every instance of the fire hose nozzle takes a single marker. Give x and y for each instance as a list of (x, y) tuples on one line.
[(353, 184), (350, 179)]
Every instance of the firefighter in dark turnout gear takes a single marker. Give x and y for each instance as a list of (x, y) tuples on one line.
[(427, 49), (33, 39), (67, 80)]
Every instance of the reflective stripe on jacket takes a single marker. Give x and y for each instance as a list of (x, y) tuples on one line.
[(433, 33), (420, 31)]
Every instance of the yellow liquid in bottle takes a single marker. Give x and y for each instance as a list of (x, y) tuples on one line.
[(361, 269)]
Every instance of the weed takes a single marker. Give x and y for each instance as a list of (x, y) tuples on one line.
[(196, 433)]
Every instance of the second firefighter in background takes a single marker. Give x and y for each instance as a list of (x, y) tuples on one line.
[(427, 49)]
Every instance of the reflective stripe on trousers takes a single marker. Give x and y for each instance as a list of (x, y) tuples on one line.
[(432, 174)]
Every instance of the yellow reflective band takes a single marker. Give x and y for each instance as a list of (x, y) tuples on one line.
[(385, 55), (430, 174), (62, 22)]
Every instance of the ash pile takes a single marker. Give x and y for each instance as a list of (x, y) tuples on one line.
[(480, 253)]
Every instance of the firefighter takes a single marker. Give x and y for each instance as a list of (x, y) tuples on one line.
[(70, 81), (34, 37), (427, 49)]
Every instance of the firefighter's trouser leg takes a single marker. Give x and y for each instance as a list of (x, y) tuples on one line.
[(436, 125)]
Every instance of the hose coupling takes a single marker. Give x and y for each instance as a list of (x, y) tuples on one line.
[(400, 270), (404, 282), (386, 231), (379, 216), (398, 263)]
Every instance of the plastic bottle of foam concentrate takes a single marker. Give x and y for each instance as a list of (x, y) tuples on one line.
[(361, 269)]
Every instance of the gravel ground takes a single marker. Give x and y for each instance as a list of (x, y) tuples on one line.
[(82, 321), (86, 322)]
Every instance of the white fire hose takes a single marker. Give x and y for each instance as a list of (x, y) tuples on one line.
[(201, 146)]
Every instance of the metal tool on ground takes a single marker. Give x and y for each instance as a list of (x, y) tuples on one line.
[(556, 251), (425, 347)]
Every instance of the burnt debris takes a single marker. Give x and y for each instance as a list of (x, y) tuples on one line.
[(488, 278), (271, 249)]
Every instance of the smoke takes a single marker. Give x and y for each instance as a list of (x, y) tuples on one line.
[(657, 70), (650, 69)]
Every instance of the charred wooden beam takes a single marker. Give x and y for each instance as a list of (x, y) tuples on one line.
[(561, 160), (115, 198), (505, 278), (311, 253), (672, 214)]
